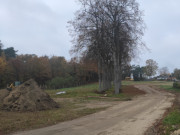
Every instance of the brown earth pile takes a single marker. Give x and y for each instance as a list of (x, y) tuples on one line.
[(28, 97), (3, 93)]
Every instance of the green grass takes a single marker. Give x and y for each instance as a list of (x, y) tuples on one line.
[(81, 91), (173, 118), (87, 91), (170, 88), (172, 122)]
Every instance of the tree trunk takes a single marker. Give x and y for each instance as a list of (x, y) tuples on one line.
[(109, 78), (106, 81), (104, 77), (117, 74), (100, 76)]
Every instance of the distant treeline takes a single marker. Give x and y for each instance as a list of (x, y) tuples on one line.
[(50, 72)]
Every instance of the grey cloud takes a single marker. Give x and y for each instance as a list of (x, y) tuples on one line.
[(163, 32), (33, 26), (39, 26)]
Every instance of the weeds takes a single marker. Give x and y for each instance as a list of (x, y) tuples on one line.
[(172, 122)]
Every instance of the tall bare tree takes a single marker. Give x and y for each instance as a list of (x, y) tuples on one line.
[(125, 31), (177, 73), (151, 67), (164, 71), (111, 31)]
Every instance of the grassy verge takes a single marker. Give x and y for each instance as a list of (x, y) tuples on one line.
[(75, 92), (170, 88), (172, 122), (87, 92)]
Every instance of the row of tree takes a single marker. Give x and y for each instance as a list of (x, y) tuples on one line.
[(149, 71), (54, 72), (141, 73)]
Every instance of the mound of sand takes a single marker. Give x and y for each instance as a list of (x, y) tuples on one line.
[(3, 93), (28, 97)]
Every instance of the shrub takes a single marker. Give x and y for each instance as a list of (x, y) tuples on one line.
[(61, 82), (176, 85)]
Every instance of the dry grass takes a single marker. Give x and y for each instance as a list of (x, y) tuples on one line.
[(19, 121), (157, 83)]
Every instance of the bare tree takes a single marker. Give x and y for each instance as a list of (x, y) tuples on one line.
[(177, 73), (126, 29), (111, 31), (164, 71), (151, 67), (91, 38)]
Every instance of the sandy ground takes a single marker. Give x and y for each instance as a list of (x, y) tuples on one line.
[(126, 118)]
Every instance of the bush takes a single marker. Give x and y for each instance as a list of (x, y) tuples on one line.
[(61, 82), (176, 85)]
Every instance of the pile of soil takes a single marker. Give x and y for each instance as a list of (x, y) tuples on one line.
[(28, 97), (132, 91), (3, 93)]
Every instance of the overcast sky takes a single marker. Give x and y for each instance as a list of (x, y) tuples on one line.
[(40, 27)]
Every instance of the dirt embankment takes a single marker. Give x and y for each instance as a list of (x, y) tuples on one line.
[(127, 118), (3, 93)]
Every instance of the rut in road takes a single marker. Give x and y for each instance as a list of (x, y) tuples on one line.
[(127, 118)]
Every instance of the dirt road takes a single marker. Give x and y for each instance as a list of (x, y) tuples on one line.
[(127, 118)]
